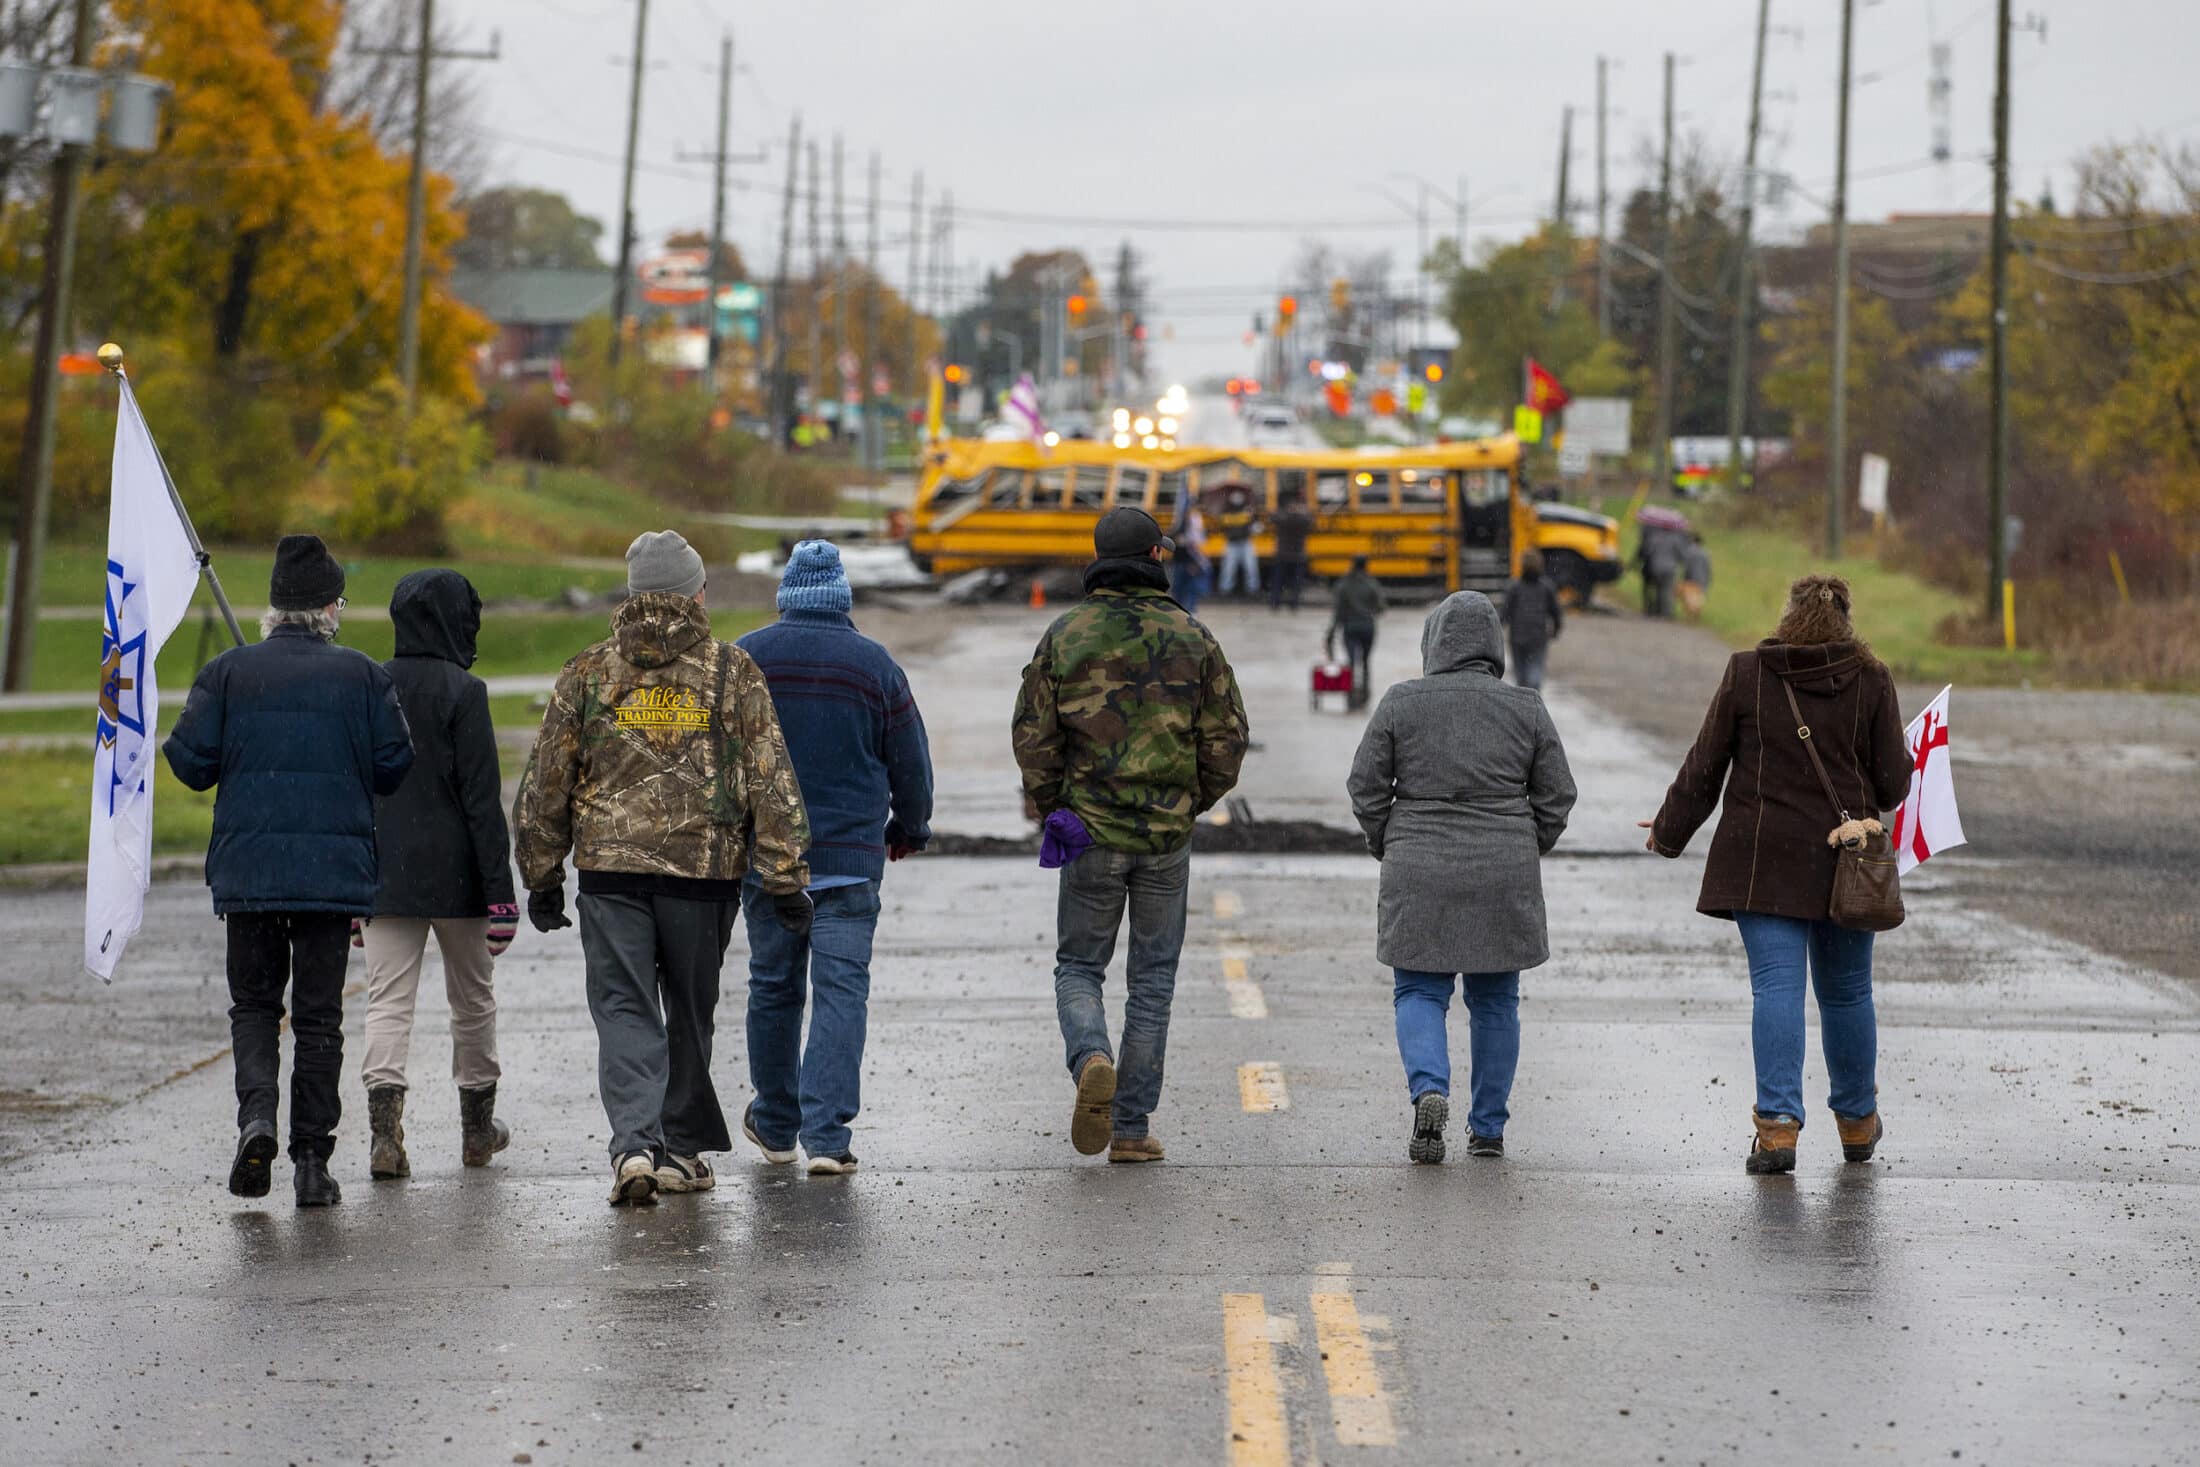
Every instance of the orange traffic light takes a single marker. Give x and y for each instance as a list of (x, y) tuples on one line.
[(1077, 305), (1434, 371), (954, 372), (1287, 308)]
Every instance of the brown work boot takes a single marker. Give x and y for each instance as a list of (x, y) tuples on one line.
[(1774, 1149), (481, 1134), (1860, 1135), (1135, 1148), (386, 1158), (1094, 1119)]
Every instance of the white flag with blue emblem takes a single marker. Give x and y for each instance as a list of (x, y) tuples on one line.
[(151, 575)]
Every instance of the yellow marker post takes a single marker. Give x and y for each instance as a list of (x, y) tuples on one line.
[(2116, 569), (2009, 616), (1259, 1435), (1357, 1405)]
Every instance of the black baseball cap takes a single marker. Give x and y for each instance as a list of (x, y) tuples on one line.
[(1124, 532)]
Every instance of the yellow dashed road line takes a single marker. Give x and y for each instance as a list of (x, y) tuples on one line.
[(1246, 999), (1357, 1404), (1261, 1088), (1227, 906), (1259, 1436)]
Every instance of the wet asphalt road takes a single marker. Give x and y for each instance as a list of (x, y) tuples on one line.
[(2016, 1279)]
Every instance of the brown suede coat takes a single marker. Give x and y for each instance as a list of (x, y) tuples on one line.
[(1769, 853)]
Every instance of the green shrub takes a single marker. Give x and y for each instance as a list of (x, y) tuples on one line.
[(395, 477)]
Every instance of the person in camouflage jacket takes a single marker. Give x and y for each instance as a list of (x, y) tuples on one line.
[(661, 768), (1128, 726)]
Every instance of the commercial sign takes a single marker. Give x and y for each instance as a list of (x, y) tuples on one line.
[(1599, 424)]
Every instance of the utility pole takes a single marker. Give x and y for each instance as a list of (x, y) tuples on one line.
[(781, 396), (423, 53), (34, 486), (840, 291), (913, 378), (815, 362), (1664, 422), (1604, 266), (1997, 451), (626, 186), (1560, 210), (1562, 236), (1460, 204), (1745, 288), (717, 215), (1837, 433), (873, 358)]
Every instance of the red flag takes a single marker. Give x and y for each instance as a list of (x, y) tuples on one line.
[(1545, 393), (560, 387)]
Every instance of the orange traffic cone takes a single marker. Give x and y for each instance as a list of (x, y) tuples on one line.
[(1038, 594)]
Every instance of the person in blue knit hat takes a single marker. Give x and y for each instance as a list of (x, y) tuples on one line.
[(860, 753)]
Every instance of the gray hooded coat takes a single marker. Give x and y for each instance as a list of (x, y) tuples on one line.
[(1461, 785)]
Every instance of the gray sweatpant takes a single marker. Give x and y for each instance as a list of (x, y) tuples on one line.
[(653, 966)]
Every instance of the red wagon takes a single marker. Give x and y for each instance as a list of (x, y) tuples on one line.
[(1329, 677)]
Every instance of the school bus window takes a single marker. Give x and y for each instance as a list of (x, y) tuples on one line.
[(1419, 489), (1047, 486), (1088, 486), (1373, 487), (955, 491), (1225, 471), (1332, 492), (1168, 500), (1004, 489), (1132, 483), (1290, 486), (1481, 488)]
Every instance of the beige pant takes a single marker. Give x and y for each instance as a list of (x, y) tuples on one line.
[(395, 948)]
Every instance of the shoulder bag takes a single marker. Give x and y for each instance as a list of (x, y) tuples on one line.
[(1867, 891)]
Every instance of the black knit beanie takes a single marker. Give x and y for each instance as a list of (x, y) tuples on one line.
[(306, 576)]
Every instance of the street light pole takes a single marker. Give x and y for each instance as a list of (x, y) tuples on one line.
[(626, 186), (1997, 453), (1837, 436), (1664, 429), (1604, 267), (1745, 291), (34, 485)]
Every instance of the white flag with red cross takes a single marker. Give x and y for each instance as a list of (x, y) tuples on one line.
[(1927, 823)]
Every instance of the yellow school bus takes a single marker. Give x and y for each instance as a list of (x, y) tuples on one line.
[(1446, 516)]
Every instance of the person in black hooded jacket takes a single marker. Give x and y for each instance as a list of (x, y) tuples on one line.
[(446, 868)]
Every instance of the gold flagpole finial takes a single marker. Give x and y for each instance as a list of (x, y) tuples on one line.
[(110, 357)]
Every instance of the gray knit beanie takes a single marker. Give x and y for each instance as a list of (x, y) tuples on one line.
[(662, 560)]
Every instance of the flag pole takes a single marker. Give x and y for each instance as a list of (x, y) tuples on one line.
[(110, 357)]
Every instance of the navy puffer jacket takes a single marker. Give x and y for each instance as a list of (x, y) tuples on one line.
[(300, 735)]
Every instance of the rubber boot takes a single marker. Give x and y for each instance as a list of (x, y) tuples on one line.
[(1860, 1135), (386, 1117), (1774, 1149), (316, 1188), (483, 1135)]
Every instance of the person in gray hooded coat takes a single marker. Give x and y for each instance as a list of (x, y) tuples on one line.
[(1461, 785)]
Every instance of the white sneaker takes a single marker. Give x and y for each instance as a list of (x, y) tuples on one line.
[(843, 1165), (772, 1154), (684, 1174), (633, 1179)]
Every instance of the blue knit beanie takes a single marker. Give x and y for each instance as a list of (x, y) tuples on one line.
[(814, 580)]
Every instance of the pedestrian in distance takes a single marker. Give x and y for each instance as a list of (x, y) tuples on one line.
[(1240, 559), (1695, 576), (1771, 865), (1128, 726), (1188, 567), (1533, 620), (1658, 559), (1293, 526), (1461, 786), (661, 768), (446, 869), (1357, 604), (299, 736), (859, 750)]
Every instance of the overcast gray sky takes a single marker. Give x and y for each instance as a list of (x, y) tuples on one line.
[(1111, 119)]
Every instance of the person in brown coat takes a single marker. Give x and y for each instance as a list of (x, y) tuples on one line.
[(1771, 869)]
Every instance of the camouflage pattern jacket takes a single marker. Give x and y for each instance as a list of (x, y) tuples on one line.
[(660, 755), (1129, 716)]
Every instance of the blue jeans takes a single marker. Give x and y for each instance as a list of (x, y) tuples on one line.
[(1420, 1001), (1240, 567), (1187, 583), (813, 1092), (1839, 961), (1528, 666), (1095, 889)]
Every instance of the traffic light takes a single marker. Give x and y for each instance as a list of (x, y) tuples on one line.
[(1340, 296), (1434, 371), (954, 372), (1077, 304), (1287, 311)]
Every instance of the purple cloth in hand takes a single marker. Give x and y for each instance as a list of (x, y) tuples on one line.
[(1062, 840)]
